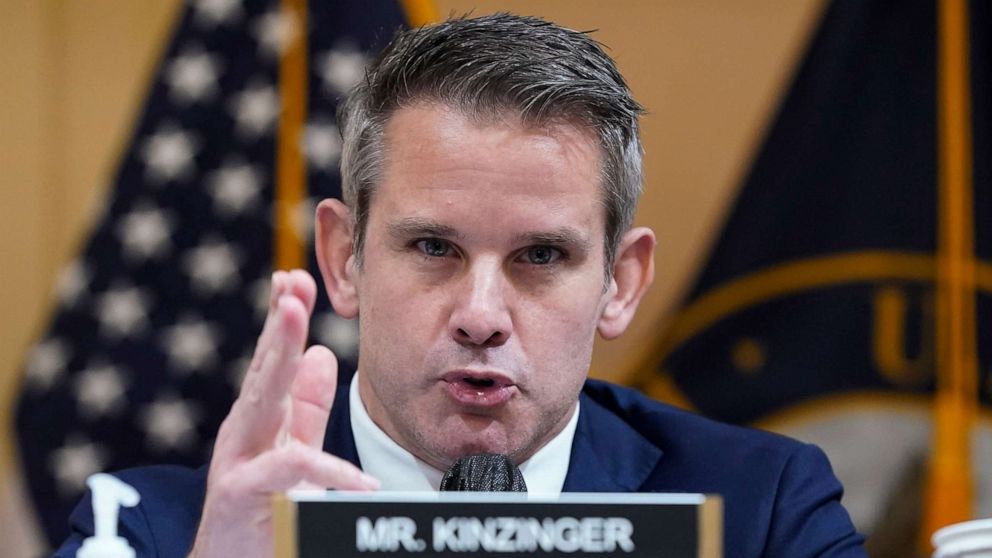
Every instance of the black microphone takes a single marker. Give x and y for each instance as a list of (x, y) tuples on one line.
[(484, 472)]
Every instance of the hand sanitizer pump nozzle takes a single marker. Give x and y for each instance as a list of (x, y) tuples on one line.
[(108, 494)]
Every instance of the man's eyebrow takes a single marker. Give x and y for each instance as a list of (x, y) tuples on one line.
[(409, 227), (565, 236)]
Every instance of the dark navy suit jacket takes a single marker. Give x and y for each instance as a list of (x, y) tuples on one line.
[(781, 498)]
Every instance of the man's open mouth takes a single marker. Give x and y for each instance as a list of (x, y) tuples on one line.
[(479, 389), (480, 382)]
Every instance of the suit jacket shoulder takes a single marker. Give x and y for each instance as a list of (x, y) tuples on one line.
[(781, 497)]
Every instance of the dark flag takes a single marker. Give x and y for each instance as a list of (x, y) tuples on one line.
[(831, 303), (158, 315)]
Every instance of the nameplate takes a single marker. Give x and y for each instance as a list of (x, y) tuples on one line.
[(318, 524)]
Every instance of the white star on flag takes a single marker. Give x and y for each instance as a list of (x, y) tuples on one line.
[(170, 423), (322, 145), (168, 154), (255, 110), (74, 462), (275, 31), (192, 76), (100, 391), (72, 282), (46, 363), (217, 12), (235, 187), (338, 334), (341, 68), (123, 311), (212, 267), (302, 217), (145, 234), (191, 345)]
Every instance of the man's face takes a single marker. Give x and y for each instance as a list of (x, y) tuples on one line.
[(481, 283)]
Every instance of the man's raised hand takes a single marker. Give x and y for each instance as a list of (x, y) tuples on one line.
[(272, 438)]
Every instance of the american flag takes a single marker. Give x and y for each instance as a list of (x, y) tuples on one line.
[(157, 316)]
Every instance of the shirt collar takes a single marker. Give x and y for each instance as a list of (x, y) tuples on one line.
[(398, 469)]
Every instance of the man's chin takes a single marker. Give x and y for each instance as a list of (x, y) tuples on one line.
[(460, 434), (456, 447)]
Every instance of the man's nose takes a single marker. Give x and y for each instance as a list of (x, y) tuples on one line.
[(481, 316)]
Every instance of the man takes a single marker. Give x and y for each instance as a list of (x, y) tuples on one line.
[(491, 170)]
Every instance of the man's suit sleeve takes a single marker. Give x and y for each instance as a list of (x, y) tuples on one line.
[(808, 519)]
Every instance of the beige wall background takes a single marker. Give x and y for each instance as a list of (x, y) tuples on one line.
[(710, 73)]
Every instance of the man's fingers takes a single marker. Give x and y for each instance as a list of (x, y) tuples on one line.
[(277, 288), (287, 466), (302, 285), (312, 395), (296, 283), (260, 413)]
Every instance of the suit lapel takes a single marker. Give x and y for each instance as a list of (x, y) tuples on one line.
[(339, 440), (607, 454)]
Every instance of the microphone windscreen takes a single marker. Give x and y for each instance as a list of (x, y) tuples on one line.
[(484, 472)]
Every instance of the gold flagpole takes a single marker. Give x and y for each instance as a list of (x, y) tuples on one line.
[(419, 12), (291, 177), (950, 485), (291, 174)]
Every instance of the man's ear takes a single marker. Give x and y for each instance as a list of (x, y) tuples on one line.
[(633, 272), (334, 229)]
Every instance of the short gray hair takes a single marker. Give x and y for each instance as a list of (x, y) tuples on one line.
[(486, 66)]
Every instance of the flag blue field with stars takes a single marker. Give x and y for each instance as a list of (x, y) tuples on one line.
[(157, 317), (819, 295)]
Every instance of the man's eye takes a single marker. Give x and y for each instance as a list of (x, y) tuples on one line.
[(434, 247), (542, 255)]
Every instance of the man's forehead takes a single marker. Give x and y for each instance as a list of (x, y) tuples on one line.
[(431, 145), (542, 183), (570, 132)]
